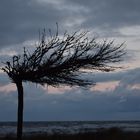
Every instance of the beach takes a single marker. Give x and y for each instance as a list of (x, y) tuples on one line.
[(73, 130), (101, 134)]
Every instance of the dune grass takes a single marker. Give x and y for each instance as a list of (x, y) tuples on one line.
[(101, 134)]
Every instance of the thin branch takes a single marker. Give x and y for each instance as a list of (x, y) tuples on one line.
[(58, 60)]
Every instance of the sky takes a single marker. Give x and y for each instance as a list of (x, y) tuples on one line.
[(115, 95)]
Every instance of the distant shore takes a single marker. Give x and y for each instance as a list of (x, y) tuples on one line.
[(101, 134)]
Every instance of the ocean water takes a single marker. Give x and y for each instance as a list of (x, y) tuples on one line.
[(67, 127)]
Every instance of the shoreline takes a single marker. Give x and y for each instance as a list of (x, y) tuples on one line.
[(113, 133)]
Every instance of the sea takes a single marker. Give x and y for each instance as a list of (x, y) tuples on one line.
[(66, 127)]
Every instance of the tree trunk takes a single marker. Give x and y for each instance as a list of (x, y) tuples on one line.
[(20, 110)]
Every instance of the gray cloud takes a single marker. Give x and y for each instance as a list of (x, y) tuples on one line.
[(64, 107), (4, 79), (131, 76), (21, 20), (77, 103), (112, 12)]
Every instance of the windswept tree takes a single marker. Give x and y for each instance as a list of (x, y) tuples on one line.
[(59, 60)]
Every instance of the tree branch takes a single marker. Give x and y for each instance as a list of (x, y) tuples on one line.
[(58, 60)]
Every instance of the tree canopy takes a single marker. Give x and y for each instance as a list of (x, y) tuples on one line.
[(58, 60)]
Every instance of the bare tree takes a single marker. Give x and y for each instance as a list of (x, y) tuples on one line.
[(59, 61)]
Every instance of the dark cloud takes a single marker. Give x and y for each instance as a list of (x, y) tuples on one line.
[(3, 79), (88, 106), (77, 103), (21, 20), (128, 77), (112, 13)]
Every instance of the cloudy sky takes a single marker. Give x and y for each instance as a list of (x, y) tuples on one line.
[(116, 95)]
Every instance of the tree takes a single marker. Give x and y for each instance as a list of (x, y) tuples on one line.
[(59, 61)]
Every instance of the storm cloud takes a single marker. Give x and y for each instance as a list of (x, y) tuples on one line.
[(77, 104), (21, 20), (115, 95)]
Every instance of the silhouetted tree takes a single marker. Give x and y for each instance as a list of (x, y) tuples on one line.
[(59, 61)]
